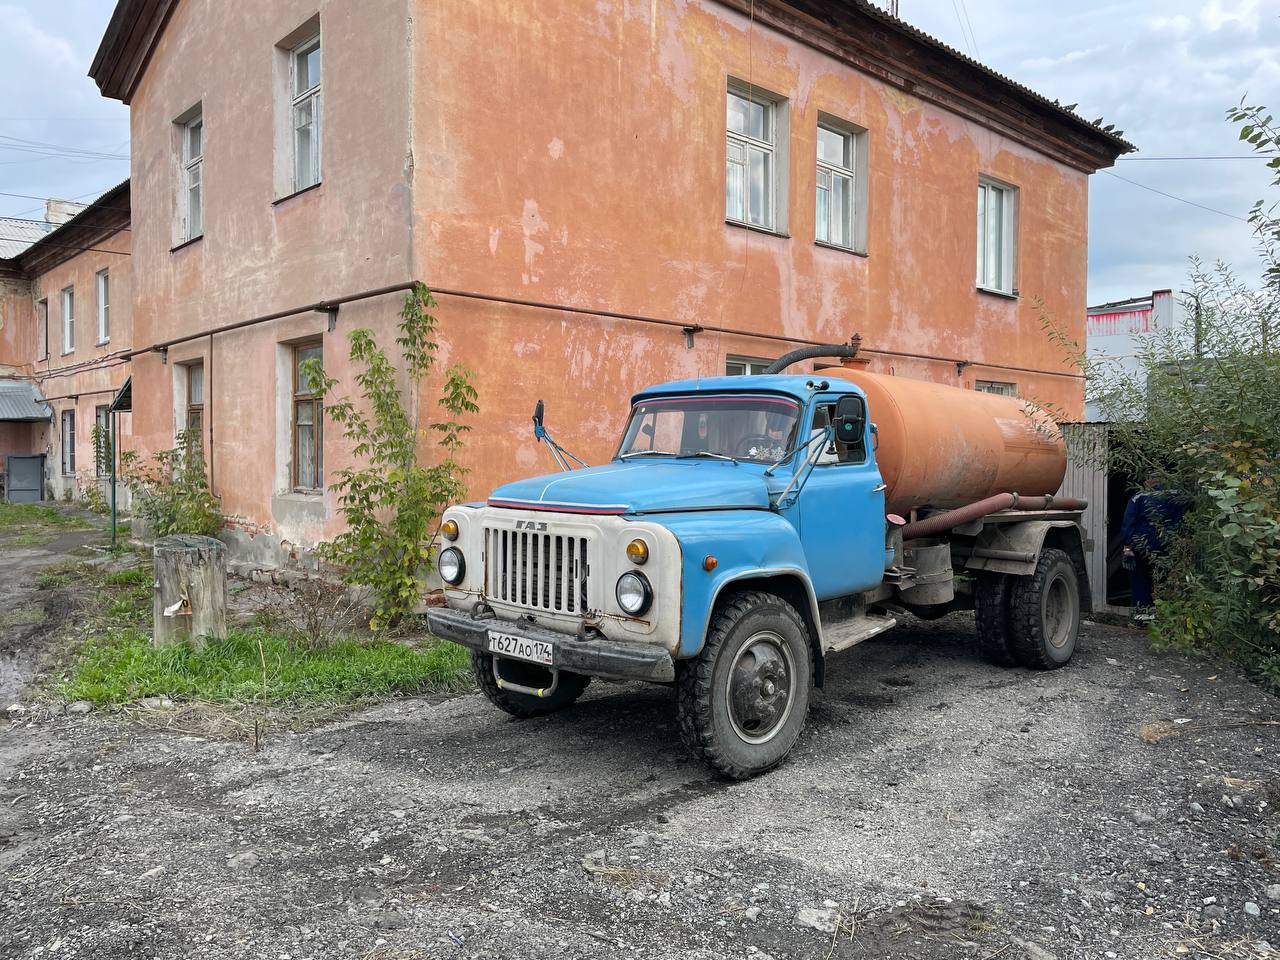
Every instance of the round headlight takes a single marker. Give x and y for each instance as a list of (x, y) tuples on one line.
[(451, 565), (637, 552), (634, 593), (450, 529)]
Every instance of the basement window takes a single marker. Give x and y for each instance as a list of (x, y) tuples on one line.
[(998, 387), (997, 236), (308, 421)]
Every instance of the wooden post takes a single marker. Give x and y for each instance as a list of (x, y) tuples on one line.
[(190, 589)]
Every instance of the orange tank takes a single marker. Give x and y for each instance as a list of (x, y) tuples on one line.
[(943, 446)]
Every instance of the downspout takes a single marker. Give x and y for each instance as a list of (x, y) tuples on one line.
[(209, 406), (115, 418)]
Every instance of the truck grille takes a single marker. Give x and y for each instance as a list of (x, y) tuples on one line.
[(540, 571)]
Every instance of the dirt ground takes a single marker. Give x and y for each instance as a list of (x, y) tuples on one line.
[(936, 807)]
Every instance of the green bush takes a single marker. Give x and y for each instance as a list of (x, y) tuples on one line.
[(171, 491), (1202, 417), (392, 502)]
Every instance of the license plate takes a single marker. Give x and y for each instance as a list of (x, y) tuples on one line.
[(535, 651)]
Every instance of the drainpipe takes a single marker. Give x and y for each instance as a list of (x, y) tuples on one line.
[(115, 418)]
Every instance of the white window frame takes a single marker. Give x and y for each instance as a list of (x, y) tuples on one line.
[(830, 172), (309, 97), (997, 224), (774, 218), (193, 180), (68, 320), (67, 438), (103, 283), (1001, 388), (751, 366)]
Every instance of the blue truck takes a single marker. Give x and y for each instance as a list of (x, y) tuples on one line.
[(740, 536)]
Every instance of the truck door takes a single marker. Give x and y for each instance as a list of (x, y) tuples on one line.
[(840, 511)]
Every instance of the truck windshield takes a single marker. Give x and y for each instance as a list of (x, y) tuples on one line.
[(739, 426)]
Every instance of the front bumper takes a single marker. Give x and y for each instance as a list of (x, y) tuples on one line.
[(595, 658)]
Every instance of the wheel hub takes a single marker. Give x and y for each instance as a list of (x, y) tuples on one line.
[(760, 687)]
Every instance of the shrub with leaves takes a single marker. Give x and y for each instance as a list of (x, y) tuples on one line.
[(1201, 415), (391, 502), (171, 491)]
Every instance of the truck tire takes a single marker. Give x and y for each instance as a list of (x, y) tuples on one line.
[(523, 705), (743, 701), (1044, 613), (991, 614)]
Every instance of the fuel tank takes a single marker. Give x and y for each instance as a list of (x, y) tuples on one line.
[(943, 446)]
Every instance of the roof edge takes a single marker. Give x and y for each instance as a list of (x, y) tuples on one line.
[(104, 217), (127, 44)]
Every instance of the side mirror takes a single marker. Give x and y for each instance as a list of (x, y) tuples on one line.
[(850, 419), (537, 419)]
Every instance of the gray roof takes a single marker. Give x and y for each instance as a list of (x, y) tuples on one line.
[(21, 400), (17, 235)]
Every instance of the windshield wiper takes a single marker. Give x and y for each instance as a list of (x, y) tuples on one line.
[(648, 453), (714, 456)]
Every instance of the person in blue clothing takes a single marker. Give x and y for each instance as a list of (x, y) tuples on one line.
[(1150, 519)]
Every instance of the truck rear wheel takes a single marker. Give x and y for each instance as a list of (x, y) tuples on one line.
[(991, 613), (568, 688), (744, 699), (1044, 613)]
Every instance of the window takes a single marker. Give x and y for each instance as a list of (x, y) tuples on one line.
[(997, 387), (102, 452), (754, 173), (195, 408), (68, 319), (837, 451), (308, 422), (760, 428), (68, 443), (304, 90), (997, 236), (193, 177), (42, 330), (745, 366), (835, 186), (104, 307)]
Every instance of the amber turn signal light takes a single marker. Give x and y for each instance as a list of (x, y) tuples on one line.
[(450, 529), (638, 552), (709, 563)]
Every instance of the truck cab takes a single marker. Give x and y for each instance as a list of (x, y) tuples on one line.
[(737, 538)]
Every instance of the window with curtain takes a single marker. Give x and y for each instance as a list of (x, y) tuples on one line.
[(750, 164), (195, 408), (997, 236), (305, 92), (308, 421), (834, 221)]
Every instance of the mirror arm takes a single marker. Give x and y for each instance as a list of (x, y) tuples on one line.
[(801, 472)]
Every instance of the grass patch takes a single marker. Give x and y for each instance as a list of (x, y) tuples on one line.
[(22, 617), (138, 576), (33, 525), (124, 666)]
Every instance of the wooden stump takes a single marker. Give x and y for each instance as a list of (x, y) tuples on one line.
[(190, 589)]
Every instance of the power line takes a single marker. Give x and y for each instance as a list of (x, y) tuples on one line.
[(972, 37), (46, 222), (59, 147), (1231, 157), (1221, 213), (98, 193)]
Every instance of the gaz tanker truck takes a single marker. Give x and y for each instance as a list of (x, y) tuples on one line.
[(746, 529)]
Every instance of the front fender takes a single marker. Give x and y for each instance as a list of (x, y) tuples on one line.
[(746, 544)]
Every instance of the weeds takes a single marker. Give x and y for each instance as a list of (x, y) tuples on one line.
[(261, 667)]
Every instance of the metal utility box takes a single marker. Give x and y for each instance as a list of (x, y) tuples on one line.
[(24, 479)]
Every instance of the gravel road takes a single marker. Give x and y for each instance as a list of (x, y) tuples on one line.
[(936, 807)]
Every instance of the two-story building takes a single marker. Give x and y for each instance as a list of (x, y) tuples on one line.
[(602, 195), (64, 345)]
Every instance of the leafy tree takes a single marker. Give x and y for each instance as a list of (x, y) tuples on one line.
[(1201, 415), (391, 502), (171, 491)]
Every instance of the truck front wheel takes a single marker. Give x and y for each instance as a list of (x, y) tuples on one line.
[(744, 699), (1044, 613)]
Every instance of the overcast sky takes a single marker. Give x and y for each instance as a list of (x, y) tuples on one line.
[(1164, 72)]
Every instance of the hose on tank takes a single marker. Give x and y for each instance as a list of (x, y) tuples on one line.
[(846, 350), (941, 522)]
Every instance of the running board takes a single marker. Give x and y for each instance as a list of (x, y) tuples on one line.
[(844, 634)]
